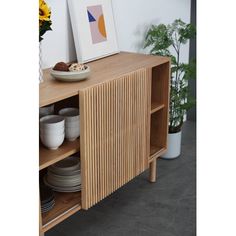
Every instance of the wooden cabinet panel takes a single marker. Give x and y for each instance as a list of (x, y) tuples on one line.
[(114, 129), (124, 121)]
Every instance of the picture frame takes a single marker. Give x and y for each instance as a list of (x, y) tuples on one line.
[(93, 29)]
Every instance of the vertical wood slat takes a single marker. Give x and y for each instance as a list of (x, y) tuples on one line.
[(114, 120), (148, 127)]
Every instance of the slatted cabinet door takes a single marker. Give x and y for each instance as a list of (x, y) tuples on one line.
[(114, 126)]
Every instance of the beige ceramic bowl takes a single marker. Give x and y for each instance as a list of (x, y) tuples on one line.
[(52, 141), (52, 131), (72, 133), (72, 125), (52, 122), (71, 114), (68, 76)]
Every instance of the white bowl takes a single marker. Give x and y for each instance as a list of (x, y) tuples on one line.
[(74, 124), (52, 131), (69, 121), (52, 141), (52, 122), (71, 129), (72, 133), (44, 133), (71, 114), (71, 76), (48, 110)]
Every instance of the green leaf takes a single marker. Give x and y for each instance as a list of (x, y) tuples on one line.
[(162, 40), (46, 26)]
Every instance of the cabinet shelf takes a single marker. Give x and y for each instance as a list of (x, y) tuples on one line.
[(48, 157), (155, 151), (156, 107), (66, 204)]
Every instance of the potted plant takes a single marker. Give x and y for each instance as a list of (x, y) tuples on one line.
[(166, 40)]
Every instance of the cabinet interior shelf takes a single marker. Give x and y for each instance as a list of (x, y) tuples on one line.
[(66, 204), (48, 157), (154, 150), (156, 107)]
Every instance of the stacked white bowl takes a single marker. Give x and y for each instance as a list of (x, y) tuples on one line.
[(72, 127), (52, 131)]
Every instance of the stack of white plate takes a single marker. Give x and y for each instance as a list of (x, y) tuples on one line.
[(64, 176)]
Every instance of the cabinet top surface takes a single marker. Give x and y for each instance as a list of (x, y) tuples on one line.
[(102, 70)]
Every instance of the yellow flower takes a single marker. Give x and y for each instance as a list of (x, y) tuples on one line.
[(44, 19), (44, 11)]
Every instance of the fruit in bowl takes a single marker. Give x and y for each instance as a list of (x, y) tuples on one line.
[(77, 67), (61, 66), (70, 72)]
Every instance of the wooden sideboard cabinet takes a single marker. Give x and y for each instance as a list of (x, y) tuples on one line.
[(123, 121)]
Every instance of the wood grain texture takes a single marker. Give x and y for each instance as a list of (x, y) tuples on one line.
[(114, 130), (66, 204), (48, 157), (106, 69), (159, 109), (156, 107), (155, 150), (124, 124), (153, 171), (156, 154)]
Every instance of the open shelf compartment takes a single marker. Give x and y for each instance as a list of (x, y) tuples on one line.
[(159, 91), (66, 204), (156, 107), (158, 136), (155, 150), (48, 157)]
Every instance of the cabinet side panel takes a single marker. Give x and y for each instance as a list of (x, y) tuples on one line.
[(148, 127), (160, 89), (114, 120), (83, 101)]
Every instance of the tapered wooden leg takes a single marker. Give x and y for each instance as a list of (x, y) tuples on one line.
[(153, 171)]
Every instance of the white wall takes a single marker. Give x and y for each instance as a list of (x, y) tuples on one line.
[(132, 18)]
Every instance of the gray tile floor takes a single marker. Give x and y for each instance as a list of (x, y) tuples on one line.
[(165, 208)]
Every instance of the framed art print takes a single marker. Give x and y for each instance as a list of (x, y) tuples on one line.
[(93, 29)]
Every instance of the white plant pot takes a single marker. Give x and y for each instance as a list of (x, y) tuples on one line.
[(173, 146)]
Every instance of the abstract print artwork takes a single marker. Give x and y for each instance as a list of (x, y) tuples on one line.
[(93, 29), (97, 24)]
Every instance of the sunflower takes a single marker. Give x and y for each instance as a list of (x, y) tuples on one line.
[(44, 19), (44, 11)]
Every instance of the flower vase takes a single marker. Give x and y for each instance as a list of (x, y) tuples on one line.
[(40, 64)]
